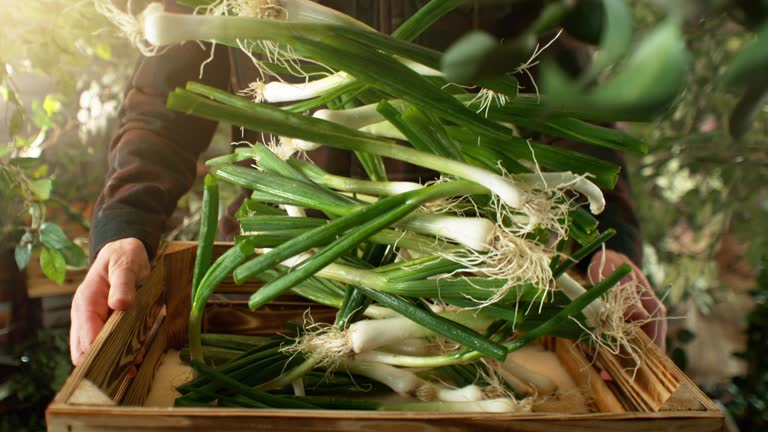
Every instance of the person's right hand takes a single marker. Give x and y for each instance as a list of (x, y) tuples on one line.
[(109, 285)]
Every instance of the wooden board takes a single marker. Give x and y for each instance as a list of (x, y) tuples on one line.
[(115, 375), (69, 419), (39, 285)]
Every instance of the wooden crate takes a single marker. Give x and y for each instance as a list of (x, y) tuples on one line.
[(120, 368), (39, 285)]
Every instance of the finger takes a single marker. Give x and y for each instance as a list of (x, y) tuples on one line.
[(648, 309), (125, 272), (599, 267), (604, 263), (652, 304), (74, 342), (92, 324), (122, 292), (656, 328), (656, 325), (636, 313), (639, 310)]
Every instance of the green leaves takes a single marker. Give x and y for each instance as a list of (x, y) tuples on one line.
[(57, 253), (746, 72), (615, 37), (74, 256), (16, 123), (54, 238), (53, 264), (41, 189), (750, 63), (478, 58), (6, 180), (644, 85), (23, 251), (463, 61)]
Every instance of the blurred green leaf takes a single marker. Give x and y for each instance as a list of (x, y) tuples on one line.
[(23, 252), (74, 256), (41, 171), (6, 181), (25, 163), (615, 37), (51, 105), (16, 123), (41, 188), (52, 236), (40, 116), (37, 215), (585, 21), (479, 56), (647, 83), (53, 265), (750, 63)]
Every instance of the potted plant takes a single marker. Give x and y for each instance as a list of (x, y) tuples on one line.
[(60, 83), (61, 76)]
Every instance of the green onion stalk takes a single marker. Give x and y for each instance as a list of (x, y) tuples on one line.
[(475, 262)]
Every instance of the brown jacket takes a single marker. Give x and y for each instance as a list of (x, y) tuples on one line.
[(153, 155)]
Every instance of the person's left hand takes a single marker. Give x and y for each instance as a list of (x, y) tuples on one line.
[(648, 308)]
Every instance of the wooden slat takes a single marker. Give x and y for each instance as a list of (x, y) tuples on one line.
[(65, 419), (39, 285), (647, 385), (586, 376), (149, 292), (225, 317), (125, 334), (179, 262), (138, 386)]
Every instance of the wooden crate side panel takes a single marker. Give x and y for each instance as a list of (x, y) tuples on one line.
[(39, 285), (647, 387), (179, 265), (140, 384), (126, 338), (585, 376), (235, 317), (111, 357), (157, 420), (178, 283)]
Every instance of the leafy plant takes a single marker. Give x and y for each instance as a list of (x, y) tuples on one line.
[(698, 182), (58, 47), (750, 392), (42, 367)]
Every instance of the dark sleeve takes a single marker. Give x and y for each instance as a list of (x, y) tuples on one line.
[(152, 159)]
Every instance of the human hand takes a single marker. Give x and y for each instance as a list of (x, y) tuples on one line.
[(109, 285), (648, 309)]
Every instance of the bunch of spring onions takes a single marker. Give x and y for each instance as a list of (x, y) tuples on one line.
[(435, 281)]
